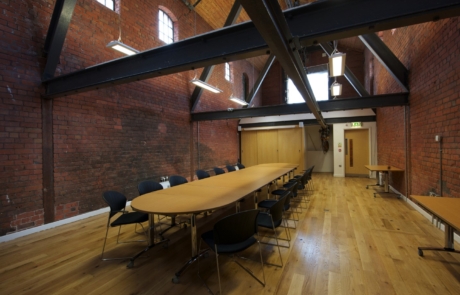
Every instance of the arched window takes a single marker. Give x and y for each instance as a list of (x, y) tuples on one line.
[(165, 27)]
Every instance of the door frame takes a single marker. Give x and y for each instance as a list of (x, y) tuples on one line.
[(368, 143)]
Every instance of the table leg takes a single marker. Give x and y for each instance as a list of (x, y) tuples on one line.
[(448, 242), (385, 182), (151, 240), (195, 254)]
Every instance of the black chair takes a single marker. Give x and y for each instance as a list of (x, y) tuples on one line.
[(268, 203), (218, 171), (272, 220), (240, 166), (117, 204), (201, 174), (230, 168), (177, 180), (231, 235), (148, 186)]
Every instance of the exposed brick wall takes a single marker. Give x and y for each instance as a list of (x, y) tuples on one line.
[(430, 52), (107, 139), (272, 87)]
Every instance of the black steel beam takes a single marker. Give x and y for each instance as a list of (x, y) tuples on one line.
[(386, 58), (354, 82), (271, 24), (318, 22), (207, 71), (377, 101), (260, 79), (311, 122), (57, 31)]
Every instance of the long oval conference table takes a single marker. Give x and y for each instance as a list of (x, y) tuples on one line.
[(206, 195)]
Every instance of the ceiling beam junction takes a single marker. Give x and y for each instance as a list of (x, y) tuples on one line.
[(271, 24), (207, 71), (242, 41)]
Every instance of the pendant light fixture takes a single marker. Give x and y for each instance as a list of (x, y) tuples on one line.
[(205, 85), (118, 45), (337, 62), (238, 100), (336, 89)]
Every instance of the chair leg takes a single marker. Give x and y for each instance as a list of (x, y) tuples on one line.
[(119, 229), (105, 241), (218, 271)]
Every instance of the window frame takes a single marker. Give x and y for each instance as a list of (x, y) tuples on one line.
[(165, 22), (227, 72), (104, 3)]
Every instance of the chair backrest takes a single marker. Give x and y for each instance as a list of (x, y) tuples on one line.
[(236, 228), (240, 166), (115, 200), (230, 168), (148, 186), (276, 211), (176, 180), (309, 172), (202, 174), (218, 171)]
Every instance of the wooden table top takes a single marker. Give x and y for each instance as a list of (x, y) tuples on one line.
[(382, 168), (447, 209), (209, 193)]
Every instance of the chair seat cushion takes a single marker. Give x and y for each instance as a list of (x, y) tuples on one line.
[(278, 192), (130, 218), (208, 238), (266, 203), (265, 220)]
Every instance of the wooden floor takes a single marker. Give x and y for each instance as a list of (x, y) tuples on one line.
[(347, 242)]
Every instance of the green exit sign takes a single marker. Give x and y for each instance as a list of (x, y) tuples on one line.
[(356, 124)]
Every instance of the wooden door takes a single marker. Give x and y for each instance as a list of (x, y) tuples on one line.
[(249, 148), (356, 152), (267, 146), (290, 145)]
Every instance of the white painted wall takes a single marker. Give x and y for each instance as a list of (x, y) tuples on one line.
[(339, 152)]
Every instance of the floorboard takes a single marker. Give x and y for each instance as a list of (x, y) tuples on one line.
[(346, 242)]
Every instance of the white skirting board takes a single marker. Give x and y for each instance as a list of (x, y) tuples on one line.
[(427, 215), (15, 235)]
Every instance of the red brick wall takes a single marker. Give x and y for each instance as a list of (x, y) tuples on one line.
[(108, 139), (272, 87), (430, 52)]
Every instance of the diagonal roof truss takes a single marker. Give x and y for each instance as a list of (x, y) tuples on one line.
[(243, 40)]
